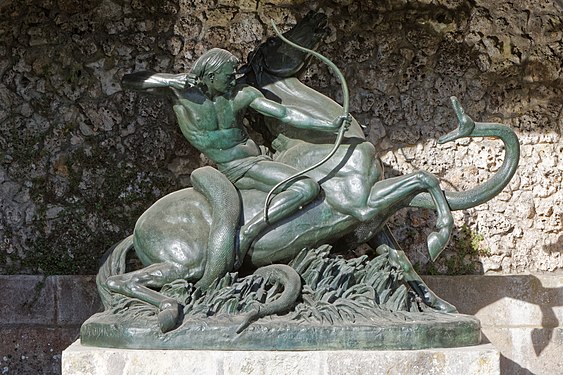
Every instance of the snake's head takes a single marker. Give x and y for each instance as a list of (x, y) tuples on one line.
[(465, 127)]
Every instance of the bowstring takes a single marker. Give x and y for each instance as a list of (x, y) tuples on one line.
[(342, 130)]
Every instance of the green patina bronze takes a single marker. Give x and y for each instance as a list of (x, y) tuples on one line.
[(191, 241)]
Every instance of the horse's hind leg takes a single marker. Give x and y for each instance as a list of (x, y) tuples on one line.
[(384, 243), (140, 284), (396, 192)]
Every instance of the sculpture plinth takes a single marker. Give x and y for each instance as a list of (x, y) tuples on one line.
[(356, 304), (448, 332), (474, 360)]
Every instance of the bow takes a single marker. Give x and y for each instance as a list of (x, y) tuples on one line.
[(345, 114)]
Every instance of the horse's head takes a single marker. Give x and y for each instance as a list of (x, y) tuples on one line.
[(279, 59)]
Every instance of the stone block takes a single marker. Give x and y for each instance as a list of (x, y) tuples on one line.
[(77, 299), (521, 315), (528, 350), (475, 360), (505, 301), (482, 359), (26, 299)]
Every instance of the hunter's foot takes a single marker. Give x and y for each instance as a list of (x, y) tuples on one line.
[(247, 235), (243, 247)]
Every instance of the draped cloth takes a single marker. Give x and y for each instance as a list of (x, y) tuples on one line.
[(236, 169)]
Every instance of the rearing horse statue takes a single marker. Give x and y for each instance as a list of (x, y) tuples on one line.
[(188, 234)]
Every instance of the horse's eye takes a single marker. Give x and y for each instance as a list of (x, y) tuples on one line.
[(272, 41)]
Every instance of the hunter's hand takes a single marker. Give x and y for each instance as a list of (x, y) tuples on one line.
[(181, 82), (340, 121)]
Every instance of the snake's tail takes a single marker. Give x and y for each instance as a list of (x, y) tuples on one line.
[(291, 282)]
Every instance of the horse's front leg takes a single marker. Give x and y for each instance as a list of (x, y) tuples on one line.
[(394, 193), (384, 243), (140, 284)]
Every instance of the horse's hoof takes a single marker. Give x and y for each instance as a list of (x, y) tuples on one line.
[(440, 305), (437, 241), (168, 319), (443, 306), (430, 299)]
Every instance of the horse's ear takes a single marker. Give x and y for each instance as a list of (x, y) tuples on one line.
[(253, 62), (244, 69)]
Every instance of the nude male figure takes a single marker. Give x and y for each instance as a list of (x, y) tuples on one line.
[(210, 107)]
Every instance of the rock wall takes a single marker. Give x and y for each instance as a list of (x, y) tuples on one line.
[(81, 159)]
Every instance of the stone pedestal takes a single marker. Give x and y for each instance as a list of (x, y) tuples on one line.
[(472, 360)]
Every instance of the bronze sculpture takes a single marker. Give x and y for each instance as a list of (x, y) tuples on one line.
[(191, 234)]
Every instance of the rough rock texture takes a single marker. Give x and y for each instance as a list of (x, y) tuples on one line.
[(80, 158)]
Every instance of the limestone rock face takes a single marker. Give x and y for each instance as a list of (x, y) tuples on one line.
[(80, 158)]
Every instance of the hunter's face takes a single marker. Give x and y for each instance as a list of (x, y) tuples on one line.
[(223, 79)]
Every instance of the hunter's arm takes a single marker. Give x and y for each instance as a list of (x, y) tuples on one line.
[(146, 80), (293, 116)]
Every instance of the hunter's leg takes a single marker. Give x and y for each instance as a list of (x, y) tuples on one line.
[(292, 197)]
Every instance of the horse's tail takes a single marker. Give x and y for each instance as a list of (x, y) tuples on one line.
[(493, 186), (113, 264), (291, 282)]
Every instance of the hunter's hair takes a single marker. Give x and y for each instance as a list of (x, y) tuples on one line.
[(211, 61)]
